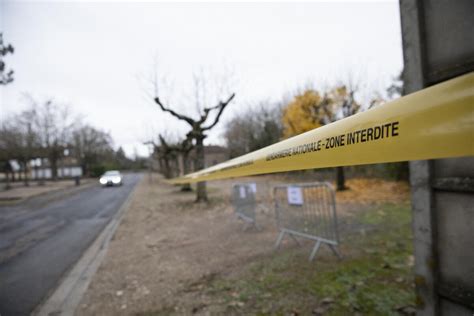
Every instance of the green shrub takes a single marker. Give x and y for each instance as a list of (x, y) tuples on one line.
[(97, 170)]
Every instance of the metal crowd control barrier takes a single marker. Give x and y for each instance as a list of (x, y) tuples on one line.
[(244, 202), (308, 211)]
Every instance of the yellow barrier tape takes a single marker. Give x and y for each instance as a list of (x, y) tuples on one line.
[(437, 122)]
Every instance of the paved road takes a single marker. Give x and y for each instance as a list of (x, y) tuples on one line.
[(39, 244)]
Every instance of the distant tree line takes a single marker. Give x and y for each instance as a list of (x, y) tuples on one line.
[(257, 127), (266, 123), (49, 132)]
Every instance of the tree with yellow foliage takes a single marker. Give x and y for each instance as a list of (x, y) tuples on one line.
[(310, 110), (307, 111)]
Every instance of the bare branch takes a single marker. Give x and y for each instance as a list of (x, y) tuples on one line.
[(188, 120), (163, 141), (221, 106), (199, 90), (206, 114)]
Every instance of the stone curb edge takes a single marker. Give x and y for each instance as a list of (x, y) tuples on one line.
[(66, 297)]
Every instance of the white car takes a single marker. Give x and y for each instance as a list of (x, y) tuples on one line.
[(111, 178)]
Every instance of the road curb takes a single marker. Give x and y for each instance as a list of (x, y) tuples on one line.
[(66, 297)]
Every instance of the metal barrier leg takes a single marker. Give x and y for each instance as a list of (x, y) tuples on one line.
[(280, 237), (315, 250), (336, 252), (295, 239), (249, 224)]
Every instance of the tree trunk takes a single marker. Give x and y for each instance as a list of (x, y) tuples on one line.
[(167, 171), (42, 176), (37, 177), (340, 179), (161, 163), (7, 180), (85, 170), (54, 166), (201, 192), (165, 167), (402, 171), (187, 186), (25, 171), (174, 166)]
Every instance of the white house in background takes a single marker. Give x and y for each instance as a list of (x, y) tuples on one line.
[(14, 165), (67, 168), (40, 168), (63, 172)]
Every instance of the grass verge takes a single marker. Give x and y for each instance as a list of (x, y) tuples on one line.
[(374, 278)]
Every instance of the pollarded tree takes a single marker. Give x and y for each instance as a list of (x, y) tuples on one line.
[(184, 148), (199, 129), (167, 154)]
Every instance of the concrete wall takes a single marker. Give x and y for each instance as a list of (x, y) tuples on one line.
[(438, 44)]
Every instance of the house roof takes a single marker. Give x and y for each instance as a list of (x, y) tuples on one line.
[(214, 149)]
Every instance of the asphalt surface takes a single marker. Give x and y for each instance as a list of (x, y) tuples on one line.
[(40, 241)]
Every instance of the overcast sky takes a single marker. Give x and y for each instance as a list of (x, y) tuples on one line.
[(95, 56)]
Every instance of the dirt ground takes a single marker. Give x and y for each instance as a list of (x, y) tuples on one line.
[(167, 248)]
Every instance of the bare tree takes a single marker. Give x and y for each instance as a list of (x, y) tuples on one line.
[(344, 100), (198, 134), (29, 147), (19, 142), (54, 124), (258, 127), (167, 153), (90, 145), (396, 89), (184, 148), (6, 77), (200, 126), (399, 170), (9, 143)]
